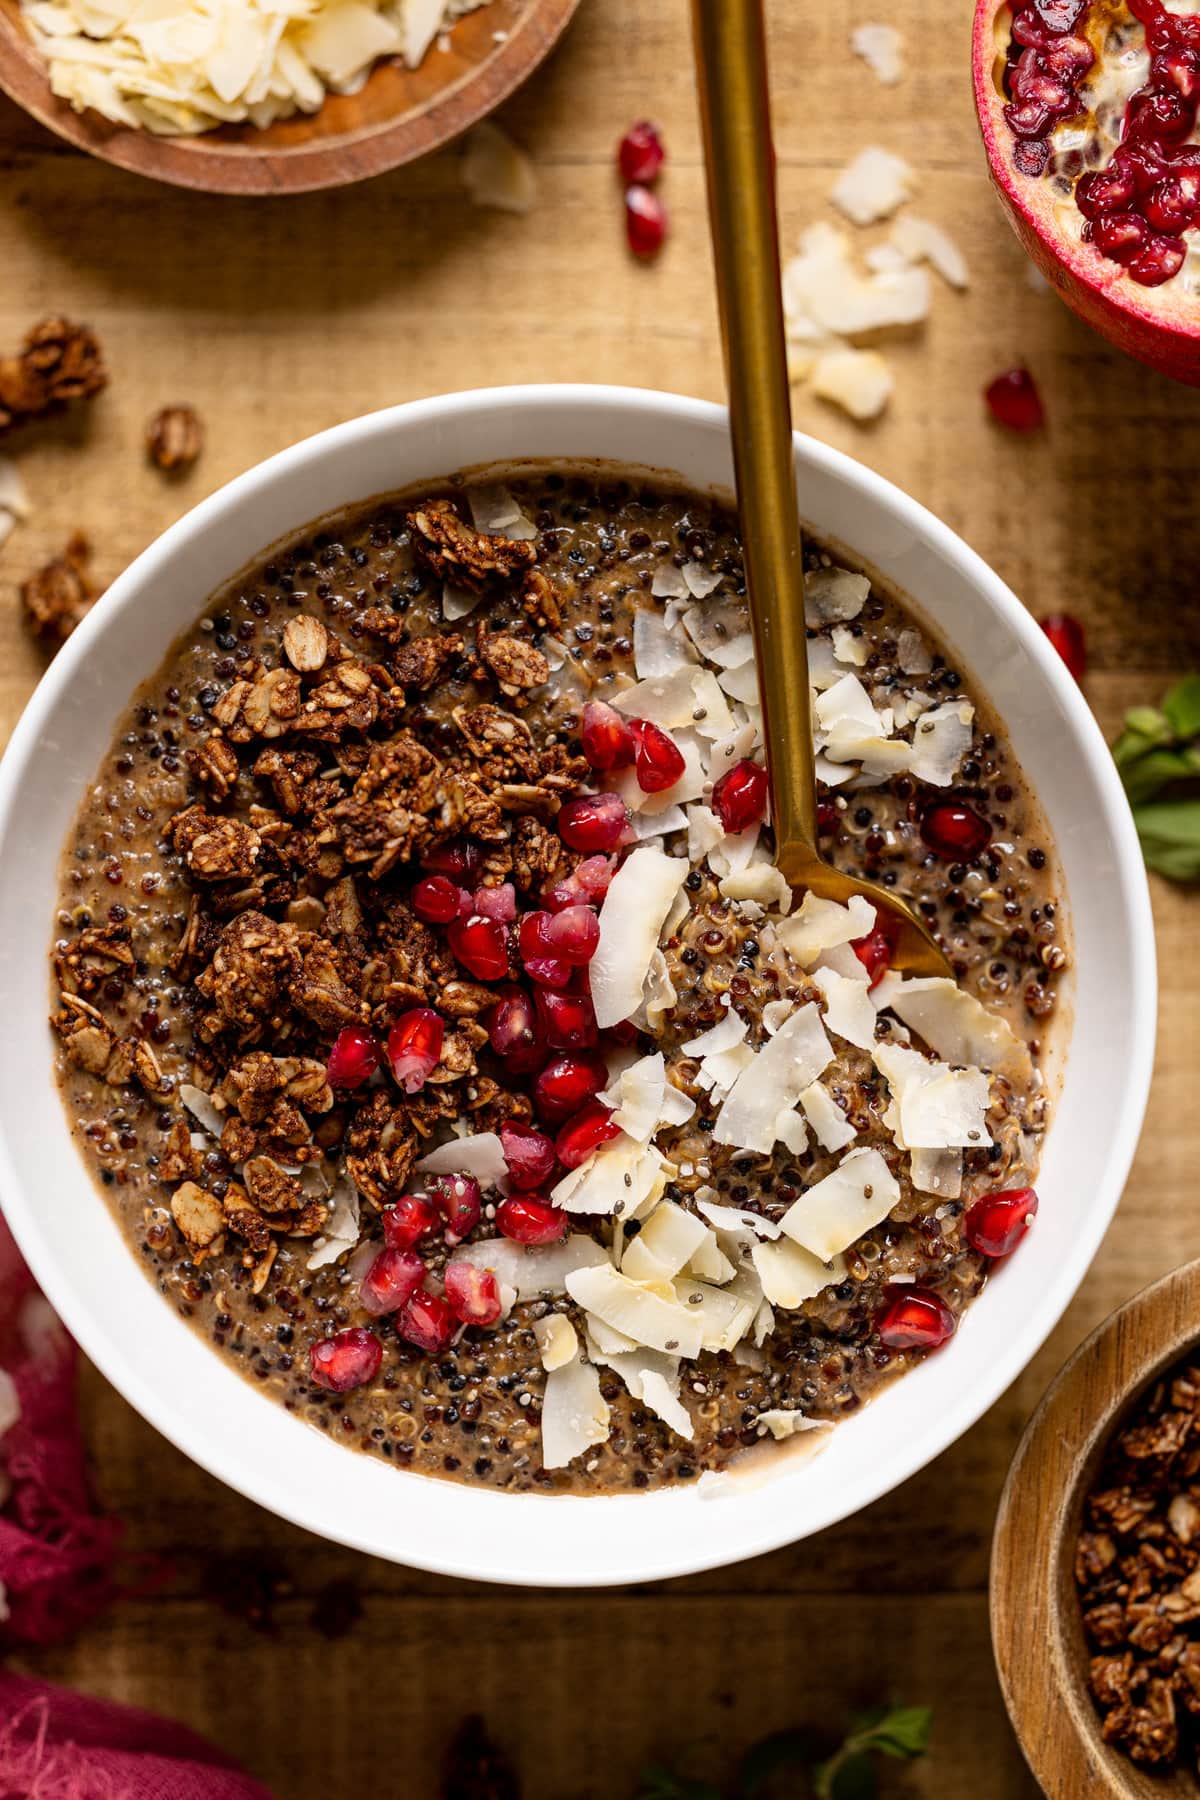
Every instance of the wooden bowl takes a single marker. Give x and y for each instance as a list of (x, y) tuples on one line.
[(399, 114), (1037, 1630)]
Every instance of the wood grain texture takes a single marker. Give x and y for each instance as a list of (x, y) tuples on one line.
[(275, 320), (398, 114), (1037, 1630)]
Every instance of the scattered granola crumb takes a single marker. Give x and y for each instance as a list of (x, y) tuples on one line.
[(174, 439), (59, 595), (59, 362)]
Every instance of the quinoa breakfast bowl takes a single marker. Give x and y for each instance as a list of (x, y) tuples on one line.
[(497, 1139)]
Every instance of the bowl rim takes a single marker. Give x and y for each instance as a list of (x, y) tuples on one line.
[(691, 416), (212, 165)]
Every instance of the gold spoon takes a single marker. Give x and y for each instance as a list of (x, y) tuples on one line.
[(731, 61)]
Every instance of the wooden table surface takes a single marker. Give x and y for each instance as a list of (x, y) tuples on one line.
[(275, 319)]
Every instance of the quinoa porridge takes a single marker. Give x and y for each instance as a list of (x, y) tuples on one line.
[(446, 1043)]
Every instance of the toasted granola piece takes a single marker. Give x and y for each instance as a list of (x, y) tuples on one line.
[(271, 1188), (516, 663), (1094, 1554), (382, 1146), (320, 989), (469, 559), (1106, 1625), (465, 999), (309, 1220), (273, 703), (100, 953), (239, 1141), (147, 1070), (349, 701), (291, 774), (59, 595), (174, 439), (417, 663), (540, 600), (457, 1060), (60, 362), (1146, 1730), (344, 921), (1187, 1678), (246, 1219), (374, 834), (88, 1040), (1108, 1678), (539, 856), (491, 1106), (198, 1214), (306, 643), (500, 743), (179, 1160), (247, 981), (256, 1082), (214, 848), (214, 765)]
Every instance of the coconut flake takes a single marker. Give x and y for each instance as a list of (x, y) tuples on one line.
[(575, 1414), (872, 186), (791, 1275), (642, 1099), (341, 1227), (787, 1064), (479, 1154), (736, 1221), (621, 1179), (496, 172), (668, 1240), (651, 1315), (913, 653), (637, 902), (701, 582), (784, 1422), (202, 1108), (834, 596), (494, 510), (14, 498), (761, 882), (937, 1172), (534, 1271), (923, 241), (557, 1341), (458, 602), (849, 1011), (821, 924), (658, 650), (881, 48), (831, 1127), (668, 583), (955, 1024), (859, 381), (828, 1218), (940, 741), (934, 1107)]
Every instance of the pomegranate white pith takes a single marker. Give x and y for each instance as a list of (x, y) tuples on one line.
[(1088, 113)]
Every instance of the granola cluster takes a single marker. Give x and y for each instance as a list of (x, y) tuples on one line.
[(313, 791), (1137, 1567), (58, 362)]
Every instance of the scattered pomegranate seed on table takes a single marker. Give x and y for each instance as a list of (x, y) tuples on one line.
[(658, 761), (347, 1360), (955, 831), (1066, 634), (473, 1294), (590, 1128), (640, 154), (527, 1220), (997, 1222), (428, 1322), (1014, 402), (391, 1281), (645, 221), (529, 1155), (458, 1199), (739, 798), (353, 1059), (916, 1320), (414, 1047), (410, 1219)]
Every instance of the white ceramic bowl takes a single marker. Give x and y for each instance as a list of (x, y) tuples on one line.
[(199, 1402)]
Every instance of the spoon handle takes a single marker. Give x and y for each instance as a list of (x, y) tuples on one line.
[(731, 63)]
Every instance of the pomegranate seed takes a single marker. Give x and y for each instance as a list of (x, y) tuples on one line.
[(1156, 262), (569, 1019), (955, 831), (1105, 190), (875, 953), (645, 221), (657, 759), (437, 899), (414, 1047), (916, 1320), (1069, 58), (594, 822), (572, 934), (528, 1155), (353, 1059), (514, 1031), (474, 1294), (347, 1360), (1178, 69), (1028, 30), (827, 817), (606, 738), (584, 1133), (1030, 155), (996, 1223), (740, 797), (1171, 205), (481, 946), (1119, 236), (427, 1321), (391, 1281), (498, 903), (530, 1221), (457, 860), (458, 1199), (412, 1218), (566, 1084), (1066, 634), (586, 885), (640, 154), (1143, 162), (1030, 119), (1158, 116), (1014, 401), (541, 964)]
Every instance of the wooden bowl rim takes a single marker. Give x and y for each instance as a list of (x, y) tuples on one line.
[(1044, 1689), (210, 164)]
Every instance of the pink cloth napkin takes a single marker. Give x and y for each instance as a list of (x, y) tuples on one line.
[(55, 1745)]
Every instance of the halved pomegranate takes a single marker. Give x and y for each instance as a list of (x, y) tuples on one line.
[(1085, 108)]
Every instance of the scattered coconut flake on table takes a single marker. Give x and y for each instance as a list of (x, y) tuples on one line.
[(873, 185), (496, 172), (881, 48), (179, 67), (859, 381), (920, 240)]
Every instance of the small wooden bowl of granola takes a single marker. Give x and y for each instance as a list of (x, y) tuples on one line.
[(1100, 1516), (398, 113)]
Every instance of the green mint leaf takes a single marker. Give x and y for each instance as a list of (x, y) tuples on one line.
[(1182, 707), (1170, 837), (902, 1733)]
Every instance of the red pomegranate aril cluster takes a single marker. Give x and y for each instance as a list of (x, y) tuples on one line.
[(481, 946), (540, 962), (916, 1320), (529, 1156), (428, 1322), (593, 823), (566, 1084), (955, 831), (640, 157), (437, 899), (606, 738), (590, 1128), (586, 885), (997, 1222), (408, 1221), (739, 798), (414, 1047), (347, 1360), (568, 1020), (528, 1220), (1066, 635), (498, 903), (391, 1281), (473, 1294), (460, 1203), (1014, 402), (353, 1059), (515, 1032)]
